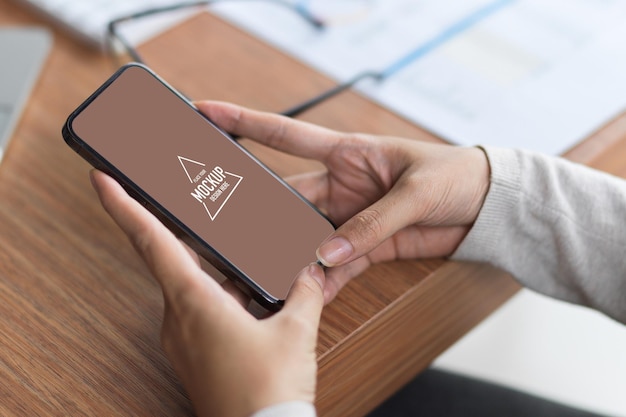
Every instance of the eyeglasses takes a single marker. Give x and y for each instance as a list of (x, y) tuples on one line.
[(115, 40)]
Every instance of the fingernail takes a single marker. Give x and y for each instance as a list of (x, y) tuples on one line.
[(335, 251)]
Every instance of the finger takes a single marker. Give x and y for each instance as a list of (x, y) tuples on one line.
[(369, 228), (338, 277), (421, 242), (306, 297), (288, 135), (236, 293), (168, 260), (313, 186), (409, 243), (191, 252)]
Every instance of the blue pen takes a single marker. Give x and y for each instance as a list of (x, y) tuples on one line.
[(441, 38), (423, 49)]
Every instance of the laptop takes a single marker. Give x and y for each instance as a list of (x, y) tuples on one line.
[(23, 51)]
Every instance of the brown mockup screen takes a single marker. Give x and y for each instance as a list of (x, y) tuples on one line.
[(202, 178)]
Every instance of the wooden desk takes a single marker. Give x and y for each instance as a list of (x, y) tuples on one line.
[(80, 315)]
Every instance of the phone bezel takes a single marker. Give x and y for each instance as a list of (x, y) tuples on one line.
[(183, 232)]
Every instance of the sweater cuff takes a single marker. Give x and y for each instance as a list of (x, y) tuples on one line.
[(288, 409), (502, 198)]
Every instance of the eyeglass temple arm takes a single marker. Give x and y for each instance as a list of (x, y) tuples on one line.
[(112, 32), (302, 107)]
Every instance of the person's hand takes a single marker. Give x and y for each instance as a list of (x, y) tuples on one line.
[(230, 363), (394, 198)]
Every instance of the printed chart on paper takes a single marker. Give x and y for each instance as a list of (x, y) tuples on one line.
[(534, 74)]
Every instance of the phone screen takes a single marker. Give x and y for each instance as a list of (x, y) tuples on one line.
[(200, 178)]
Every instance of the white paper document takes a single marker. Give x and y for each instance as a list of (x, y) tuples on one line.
[(534, 74)]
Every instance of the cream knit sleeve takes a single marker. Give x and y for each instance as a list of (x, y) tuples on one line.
[(288, 409), (558, 227)]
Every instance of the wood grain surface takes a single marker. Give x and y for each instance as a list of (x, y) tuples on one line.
[(80, 314)]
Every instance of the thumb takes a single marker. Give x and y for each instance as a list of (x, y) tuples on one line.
[(306, 297), (369, 228)]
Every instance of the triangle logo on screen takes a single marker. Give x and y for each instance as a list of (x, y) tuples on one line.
[(212, 189)]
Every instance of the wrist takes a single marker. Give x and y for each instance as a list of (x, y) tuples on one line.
[(480, 172)]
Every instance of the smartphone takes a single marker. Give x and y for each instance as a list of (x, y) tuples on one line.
[(203, 185)]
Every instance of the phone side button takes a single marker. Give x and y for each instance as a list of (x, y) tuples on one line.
[(90, 159)]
